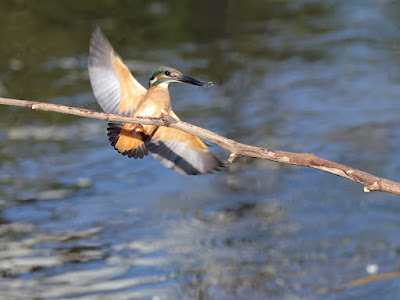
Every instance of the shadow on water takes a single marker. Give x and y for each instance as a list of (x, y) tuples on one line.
[(78, 220)]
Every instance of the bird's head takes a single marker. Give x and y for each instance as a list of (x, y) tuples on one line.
[(165, 75)]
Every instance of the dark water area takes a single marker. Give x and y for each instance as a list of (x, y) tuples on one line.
[(80, 221)]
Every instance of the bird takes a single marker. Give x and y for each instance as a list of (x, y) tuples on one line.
[(117, 91)]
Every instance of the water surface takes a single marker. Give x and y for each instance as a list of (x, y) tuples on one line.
[(80, 221)]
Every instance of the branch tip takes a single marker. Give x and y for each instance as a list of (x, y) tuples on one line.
[(366, 189), (372, 187), (232, 157)]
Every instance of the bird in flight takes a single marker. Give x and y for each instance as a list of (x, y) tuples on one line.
[(118, 92)]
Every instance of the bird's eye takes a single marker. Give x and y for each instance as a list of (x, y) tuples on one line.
[(167, 73)]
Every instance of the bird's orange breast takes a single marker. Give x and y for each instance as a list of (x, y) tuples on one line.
[(154, 102), (156, 99)]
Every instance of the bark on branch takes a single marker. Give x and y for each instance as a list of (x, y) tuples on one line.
[(370, 182)]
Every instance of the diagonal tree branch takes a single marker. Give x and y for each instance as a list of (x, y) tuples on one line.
[(370, 182)]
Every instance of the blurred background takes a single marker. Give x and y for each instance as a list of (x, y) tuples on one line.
[(80, 221)]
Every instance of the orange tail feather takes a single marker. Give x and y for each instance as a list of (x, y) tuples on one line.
[(126, 141)]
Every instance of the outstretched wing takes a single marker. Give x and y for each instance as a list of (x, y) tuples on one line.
[(116, 90), (182, 152)]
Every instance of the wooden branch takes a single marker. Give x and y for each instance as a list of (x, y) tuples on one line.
[(371, 182)]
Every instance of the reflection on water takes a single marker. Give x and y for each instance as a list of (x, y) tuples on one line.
[(79, 221)]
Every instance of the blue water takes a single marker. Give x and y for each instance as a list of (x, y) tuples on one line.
[(80, 221)]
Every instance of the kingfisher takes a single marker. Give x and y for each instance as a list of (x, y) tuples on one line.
[(118, 92)]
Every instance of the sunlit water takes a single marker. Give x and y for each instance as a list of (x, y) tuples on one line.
[(80, 221)]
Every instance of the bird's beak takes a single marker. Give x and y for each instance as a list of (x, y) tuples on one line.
[(188, 79)]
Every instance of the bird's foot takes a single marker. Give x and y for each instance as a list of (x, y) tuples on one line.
[(137, 128)]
